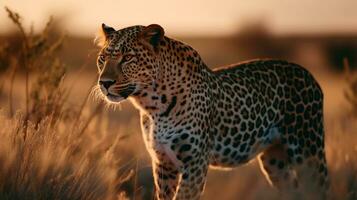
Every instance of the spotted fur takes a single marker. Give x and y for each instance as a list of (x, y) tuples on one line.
[(193, 117)]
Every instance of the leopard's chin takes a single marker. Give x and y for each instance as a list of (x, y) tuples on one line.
[(114, 98)]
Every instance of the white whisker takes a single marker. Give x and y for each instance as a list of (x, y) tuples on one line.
[(96, 94), (121, 85)]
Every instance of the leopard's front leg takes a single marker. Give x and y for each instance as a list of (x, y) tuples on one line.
[(192, 181), (185, 183), (181, 168), (166, 177)]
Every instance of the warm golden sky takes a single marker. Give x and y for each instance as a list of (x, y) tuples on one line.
[(190, 16)]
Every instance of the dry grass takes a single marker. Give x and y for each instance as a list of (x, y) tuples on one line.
[(55, 148), (52, 164), (48, 150)]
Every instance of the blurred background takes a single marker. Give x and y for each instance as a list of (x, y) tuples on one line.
[(41, 57)]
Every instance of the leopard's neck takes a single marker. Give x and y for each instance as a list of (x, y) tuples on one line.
[(181, 74)]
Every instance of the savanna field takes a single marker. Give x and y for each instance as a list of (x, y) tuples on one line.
[(59, 140)]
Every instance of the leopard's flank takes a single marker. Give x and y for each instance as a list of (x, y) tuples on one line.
[(193, 117)]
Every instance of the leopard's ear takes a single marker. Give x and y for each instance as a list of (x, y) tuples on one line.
[(107, 30), (152, 35), (103, 35)]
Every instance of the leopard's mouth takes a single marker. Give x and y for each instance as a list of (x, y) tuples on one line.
[(126, 91), (121, 94)]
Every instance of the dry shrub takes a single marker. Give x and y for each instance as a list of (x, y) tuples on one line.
[(37, 57)]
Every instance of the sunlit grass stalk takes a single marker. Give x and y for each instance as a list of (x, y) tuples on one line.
[(351, 92), (16, 19), (81, 108), (97, 109), (12, 79)]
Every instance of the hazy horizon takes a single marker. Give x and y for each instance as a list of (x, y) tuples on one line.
[(202, 17)]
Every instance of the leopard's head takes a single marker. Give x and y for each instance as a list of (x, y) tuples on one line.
[(128, 61)]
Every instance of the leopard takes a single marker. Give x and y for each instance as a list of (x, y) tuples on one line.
[(194, 118)]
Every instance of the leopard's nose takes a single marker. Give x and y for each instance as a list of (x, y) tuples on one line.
[(106, 83)]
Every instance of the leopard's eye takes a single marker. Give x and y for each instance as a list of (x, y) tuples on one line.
[(127, 58)]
